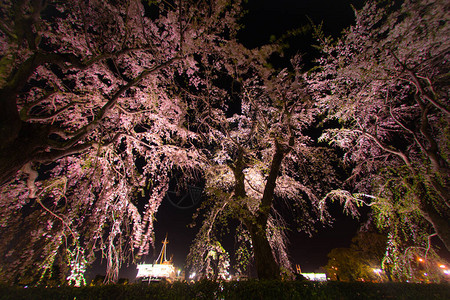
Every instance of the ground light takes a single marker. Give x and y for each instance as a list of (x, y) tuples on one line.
[(378, 272)]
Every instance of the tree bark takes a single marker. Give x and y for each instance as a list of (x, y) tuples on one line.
[(15, 142), (441, 224), (266, 266), (438, 219), (15, 153)]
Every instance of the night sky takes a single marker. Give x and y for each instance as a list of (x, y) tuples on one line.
[(267, 18)]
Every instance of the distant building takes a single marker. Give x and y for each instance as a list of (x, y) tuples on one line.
[(161, 270)]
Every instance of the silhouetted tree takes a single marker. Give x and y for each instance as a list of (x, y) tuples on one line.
[(360, 261)]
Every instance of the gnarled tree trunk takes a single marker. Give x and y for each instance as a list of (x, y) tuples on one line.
[(266, 266), (439, 220), (256, 222)]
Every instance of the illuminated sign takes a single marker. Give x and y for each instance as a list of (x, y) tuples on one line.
[(315, 276), (164, 269), (155, 270)]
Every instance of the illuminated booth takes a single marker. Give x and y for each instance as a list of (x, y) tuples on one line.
[(161, 270)]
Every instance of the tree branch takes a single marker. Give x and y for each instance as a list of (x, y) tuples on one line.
[(27, 107), (280, 152), (419, 88), (438, 163), (407, 129), (51, 116), (387, 149), (82, 132), (52, 155)]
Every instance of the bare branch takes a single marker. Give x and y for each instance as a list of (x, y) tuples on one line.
[(24, 112), (423, 93), (407, 129), (419, 88), (52, 155), (386, 148), (51, 116)]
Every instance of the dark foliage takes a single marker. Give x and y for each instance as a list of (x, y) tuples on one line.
[(237, 290)]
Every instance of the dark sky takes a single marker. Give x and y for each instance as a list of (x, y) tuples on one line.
[(270, 17), (264, 19)]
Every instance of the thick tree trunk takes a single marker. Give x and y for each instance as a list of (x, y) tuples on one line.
[(266, 266), (9, 117), (23, 148), (438, 219), (10, 163), (440, 224), (13, 146)]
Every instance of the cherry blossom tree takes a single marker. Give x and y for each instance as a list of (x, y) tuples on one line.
[(259, 154), (386, 81), (88, 121)]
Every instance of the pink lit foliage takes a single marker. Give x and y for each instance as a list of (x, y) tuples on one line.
[(386, 81), (89, 121), (253, 121)]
